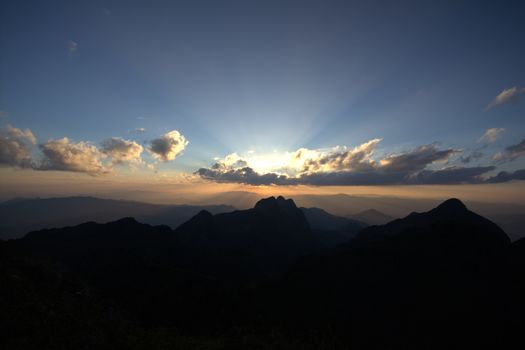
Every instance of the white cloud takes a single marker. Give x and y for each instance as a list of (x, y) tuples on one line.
[(507, 95), (491, 135), (357, 159), (64, 155), (15, 146), (122, 151), (168, 146)]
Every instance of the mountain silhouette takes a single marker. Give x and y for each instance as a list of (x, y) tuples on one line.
[(20, 216), (270, 236), (442, 273), (445, 278)]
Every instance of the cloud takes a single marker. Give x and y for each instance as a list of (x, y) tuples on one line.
[(357, 159), (504, 176), (416, 159), (245, 175), (230, 162), (471, 157), (491, 135), (511, 152), (350, 167), (122, 151), (451, 175), (168, 146), (64, 155), (15, 146), (140, 130), (506, 96), (72, 47), (517, 150)]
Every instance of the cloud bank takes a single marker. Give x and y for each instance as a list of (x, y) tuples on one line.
[(356, 166)]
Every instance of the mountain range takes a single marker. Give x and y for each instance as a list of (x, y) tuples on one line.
[(272, 276)]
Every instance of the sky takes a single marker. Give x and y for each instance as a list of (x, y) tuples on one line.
[(279, 96)]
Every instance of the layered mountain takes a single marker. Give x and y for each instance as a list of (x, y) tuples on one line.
[(445, 278), (372, 217), (444, 271), (20, 216)]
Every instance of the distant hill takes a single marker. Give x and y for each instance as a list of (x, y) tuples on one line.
[(371, 217), (20, 216), (338, 228)]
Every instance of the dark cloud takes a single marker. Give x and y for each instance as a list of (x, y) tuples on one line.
[(453, 175), (245, 175), (516, 151), (415, 160), (510, 153), (168, 146), (504, 176)]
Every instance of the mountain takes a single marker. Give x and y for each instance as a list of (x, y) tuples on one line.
[(371, 217), (318, 219), (445, 278), (440, 276), (20, 216), (450, 219), (336, 228), (509, 216), (269, 236)]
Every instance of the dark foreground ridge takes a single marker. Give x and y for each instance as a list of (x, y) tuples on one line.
[(268, 277)]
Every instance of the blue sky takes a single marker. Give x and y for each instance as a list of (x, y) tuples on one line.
[(267, 76)]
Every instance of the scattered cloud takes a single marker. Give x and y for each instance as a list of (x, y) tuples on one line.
[(506, 96), (491, 135), (517, 150), (122, 151), (476, 155), (140, 130), (511, 152), (15, 146), (72, 47), (64, 155), (168, 146)]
